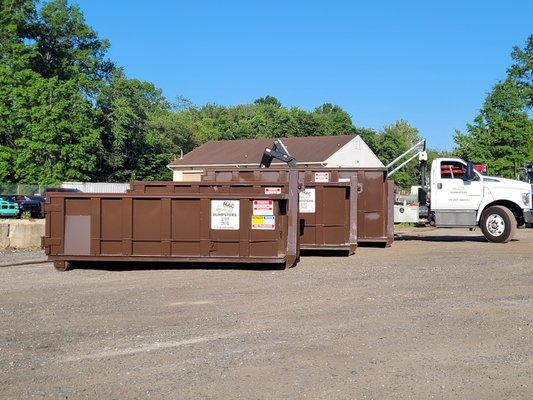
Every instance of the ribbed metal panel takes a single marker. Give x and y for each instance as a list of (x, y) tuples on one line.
[(97, 187)]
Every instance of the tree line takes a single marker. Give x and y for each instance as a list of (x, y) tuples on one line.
[(69, 113)]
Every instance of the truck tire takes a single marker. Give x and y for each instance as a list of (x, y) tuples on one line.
[(498, 224)]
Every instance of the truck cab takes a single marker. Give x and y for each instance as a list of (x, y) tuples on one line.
[(460, 196)]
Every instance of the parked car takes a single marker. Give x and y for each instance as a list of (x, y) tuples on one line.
[(29, 204), (8, 207)]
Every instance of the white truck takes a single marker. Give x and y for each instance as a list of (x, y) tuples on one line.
[(460, 196)]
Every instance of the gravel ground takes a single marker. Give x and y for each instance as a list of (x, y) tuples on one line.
[(11, 257), (441, 314)]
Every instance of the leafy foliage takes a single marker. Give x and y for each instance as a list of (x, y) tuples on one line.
[(392, 141), (502, 133), (48, 127), (69, 113)]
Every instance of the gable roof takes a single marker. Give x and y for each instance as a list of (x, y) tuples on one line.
[(308, 149)]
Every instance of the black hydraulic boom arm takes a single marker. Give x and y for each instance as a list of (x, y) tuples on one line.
[(278, 151)]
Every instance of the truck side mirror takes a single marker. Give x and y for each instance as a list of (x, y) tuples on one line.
[(470, 175)]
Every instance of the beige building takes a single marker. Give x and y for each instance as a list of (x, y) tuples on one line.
[(327, 151)]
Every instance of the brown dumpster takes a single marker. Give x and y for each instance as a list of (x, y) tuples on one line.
[(201, 222), (328, 210), (375, 219), (374, 202)]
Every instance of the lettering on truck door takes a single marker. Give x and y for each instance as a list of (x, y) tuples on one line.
[(450, 191)]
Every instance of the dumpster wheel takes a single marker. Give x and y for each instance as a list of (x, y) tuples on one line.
[(61, 265)]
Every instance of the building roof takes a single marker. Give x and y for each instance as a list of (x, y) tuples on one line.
[(309, 149)]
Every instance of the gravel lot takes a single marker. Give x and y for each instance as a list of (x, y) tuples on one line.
[(441, 314)]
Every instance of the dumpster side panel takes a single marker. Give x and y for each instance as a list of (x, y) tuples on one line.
[(390, 210), (111, 234), (325, 207), (77, 225), (335, 215), (371, 200), (185, 228)]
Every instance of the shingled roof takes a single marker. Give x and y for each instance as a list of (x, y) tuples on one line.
[(309, 149)]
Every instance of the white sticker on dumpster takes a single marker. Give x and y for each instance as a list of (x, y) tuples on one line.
[(265, 222), (263, 207), (225, 214), (307, 201), (322, 177), (272, 190)]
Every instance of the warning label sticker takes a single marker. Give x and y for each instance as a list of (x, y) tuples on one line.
[(266, 222), (273, 190), (263, 207), (225, 214), (307, 201), (321, 176)]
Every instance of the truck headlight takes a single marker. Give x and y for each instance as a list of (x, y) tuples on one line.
[(526, 199)]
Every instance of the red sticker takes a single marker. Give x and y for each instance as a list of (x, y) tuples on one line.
[(263, 207)]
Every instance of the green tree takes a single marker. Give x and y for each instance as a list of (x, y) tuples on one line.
[(268, 100), (51, 65), (168, 135), (502, 133), (391, 142), (124, 108), (332, 120), (17, 20), (69, 49), (59, 140)]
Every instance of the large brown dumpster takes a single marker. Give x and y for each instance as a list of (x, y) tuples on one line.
[(328, 209), (374, 201), (220, 222)]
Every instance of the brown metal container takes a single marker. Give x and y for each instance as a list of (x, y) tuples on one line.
[(375, 212), (201, 222), (374, 203), (328, 209)]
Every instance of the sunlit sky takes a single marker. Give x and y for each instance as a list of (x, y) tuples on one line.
[(429, 62)]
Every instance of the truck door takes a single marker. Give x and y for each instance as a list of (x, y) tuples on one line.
[(449, 191)]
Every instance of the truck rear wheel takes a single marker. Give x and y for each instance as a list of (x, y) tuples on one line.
[(498, 224)]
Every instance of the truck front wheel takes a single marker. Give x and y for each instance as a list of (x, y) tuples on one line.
[(498, 224)]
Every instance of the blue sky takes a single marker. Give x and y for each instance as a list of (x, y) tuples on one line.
[(429, 62)]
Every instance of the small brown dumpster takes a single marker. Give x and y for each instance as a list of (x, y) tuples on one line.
[(374, 202), (202, 222), (328, 209), (375, 212)]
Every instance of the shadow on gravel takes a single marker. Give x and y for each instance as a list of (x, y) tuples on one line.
[(153, 266), (324, 253), (376, 245), (441, 238)]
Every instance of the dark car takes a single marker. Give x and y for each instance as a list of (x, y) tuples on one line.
[(29, 204)]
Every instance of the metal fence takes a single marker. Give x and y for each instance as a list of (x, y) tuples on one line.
[(20, 188)]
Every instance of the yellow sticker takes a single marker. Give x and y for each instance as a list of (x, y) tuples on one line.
[(265, 222)]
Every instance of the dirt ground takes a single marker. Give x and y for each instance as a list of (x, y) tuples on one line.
[(441, 314)]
